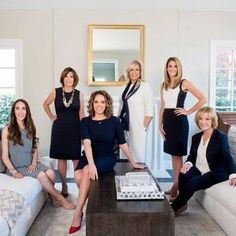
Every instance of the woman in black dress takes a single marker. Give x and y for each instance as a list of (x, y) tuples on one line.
[(98, 131), (173, 121), (65, 136)]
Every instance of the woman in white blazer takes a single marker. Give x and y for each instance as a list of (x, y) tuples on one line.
[(137, 110)]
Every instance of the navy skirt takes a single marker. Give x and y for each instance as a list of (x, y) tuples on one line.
[(177, 129), (103, 164)]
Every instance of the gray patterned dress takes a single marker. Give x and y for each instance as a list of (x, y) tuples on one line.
[(21, 156)]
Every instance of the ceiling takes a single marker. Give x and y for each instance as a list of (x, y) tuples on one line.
[(218, 5)]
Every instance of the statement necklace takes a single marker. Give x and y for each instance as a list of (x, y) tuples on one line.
[(67, 104)]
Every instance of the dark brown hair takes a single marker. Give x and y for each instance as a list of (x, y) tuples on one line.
[(14, 129), (65, 72), (108, 100)]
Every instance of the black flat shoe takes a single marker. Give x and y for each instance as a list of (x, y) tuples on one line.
[(168, 192), (181, 209), (65, 195)]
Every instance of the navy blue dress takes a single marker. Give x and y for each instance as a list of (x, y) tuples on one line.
[(65, 135), (102, 134)]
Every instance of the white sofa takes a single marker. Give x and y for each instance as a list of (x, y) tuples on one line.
[(220, 199), (32, 192)]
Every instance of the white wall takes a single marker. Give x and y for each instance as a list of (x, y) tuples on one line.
[(36, 30), (55, 39)]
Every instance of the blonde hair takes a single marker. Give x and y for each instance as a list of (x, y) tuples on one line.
[(210, 112), (167, 81), (130, 66)]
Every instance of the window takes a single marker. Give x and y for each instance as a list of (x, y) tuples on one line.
[(10, 51), (105, 70), (223, 75)]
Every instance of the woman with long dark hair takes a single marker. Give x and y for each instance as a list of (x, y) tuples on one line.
[(20, 153)]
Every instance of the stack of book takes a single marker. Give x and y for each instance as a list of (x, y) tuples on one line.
[(137, 185), (137, 182)]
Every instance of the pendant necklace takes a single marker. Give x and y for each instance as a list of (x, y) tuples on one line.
[(67, 104)]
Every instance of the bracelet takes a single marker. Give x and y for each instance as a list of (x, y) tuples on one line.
[(13, 170)]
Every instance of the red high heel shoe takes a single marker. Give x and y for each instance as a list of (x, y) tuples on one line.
[(74, 229)]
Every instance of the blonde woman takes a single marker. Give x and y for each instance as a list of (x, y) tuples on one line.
[(173, 121), (137, 110), (209, 161)]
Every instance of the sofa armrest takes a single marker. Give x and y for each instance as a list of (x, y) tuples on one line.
[(226, 120)]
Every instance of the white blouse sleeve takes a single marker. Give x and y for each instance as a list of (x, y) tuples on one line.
[(148, 100)]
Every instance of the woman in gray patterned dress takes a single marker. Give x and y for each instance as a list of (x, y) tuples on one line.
[(20, 154)]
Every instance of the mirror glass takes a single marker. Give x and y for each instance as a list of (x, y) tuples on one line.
[(111, 48)]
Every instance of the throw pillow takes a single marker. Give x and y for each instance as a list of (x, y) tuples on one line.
[(2, 167), (232, 141)]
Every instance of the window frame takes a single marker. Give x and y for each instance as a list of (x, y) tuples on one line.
[(17, 45), (216, 44)]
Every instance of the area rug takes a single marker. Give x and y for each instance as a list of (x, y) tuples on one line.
[(56, 221)]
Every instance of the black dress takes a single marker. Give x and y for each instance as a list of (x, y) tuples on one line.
[(102, 135), (176, 127), (65, 136)]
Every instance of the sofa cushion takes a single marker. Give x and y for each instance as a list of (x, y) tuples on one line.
[(28, 187), (232, 141), (224, 194)]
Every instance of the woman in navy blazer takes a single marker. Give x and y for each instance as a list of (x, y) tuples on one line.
[(209, 161)]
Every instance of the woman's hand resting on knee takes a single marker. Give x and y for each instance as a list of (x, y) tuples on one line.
[(232, 182), (17, 174), (186, 167), (93, 173)]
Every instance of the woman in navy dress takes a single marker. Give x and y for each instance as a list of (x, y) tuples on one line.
[(98, 132), (20, 152), (209, 161), (65, 135), (173, 122)]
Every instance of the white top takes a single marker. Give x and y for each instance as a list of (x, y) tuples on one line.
[(170, 97), (201, 162), (141, 103)]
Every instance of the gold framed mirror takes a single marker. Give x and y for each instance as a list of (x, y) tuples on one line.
[(110, 49)]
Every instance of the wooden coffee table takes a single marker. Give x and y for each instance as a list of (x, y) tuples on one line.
[(107, 216)]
